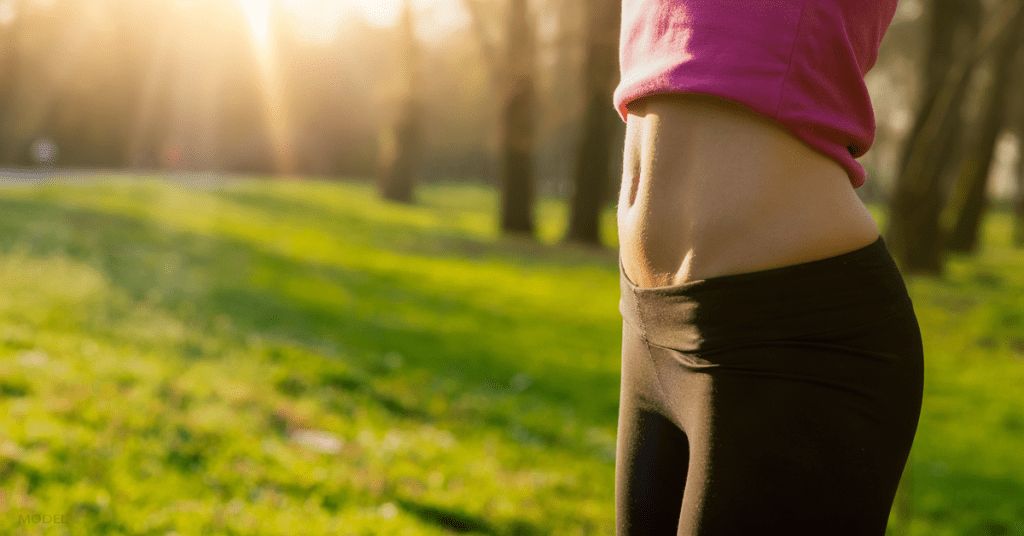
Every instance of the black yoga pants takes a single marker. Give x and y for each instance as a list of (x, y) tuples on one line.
[(782, 401)]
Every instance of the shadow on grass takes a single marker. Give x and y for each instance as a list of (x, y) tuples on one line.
[(198, 278), (346, 382), (460, 522), (447, 518)]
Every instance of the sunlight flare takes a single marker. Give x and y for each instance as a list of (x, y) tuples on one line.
[(258, 14), (377, 12)]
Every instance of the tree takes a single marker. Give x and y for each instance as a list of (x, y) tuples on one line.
[(518, 118), (401, 142), (513, 76), (914, 234), (1018, 204), (10, 48), (591, 171), (969, 196)]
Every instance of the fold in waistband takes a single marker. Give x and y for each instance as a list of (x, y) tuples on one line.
[(778, 303)]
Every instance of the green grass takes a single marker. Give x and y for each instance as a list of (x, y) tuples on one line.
[(300, 358)]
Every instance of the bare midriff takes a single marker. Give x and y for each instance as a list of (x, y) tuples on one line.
[(710, 188)]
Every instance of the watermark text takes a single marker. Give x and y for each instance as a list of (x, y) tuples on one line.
[(42, 519)]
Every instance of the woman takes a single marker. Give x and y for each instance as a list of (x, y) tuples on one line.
[(772, 366)]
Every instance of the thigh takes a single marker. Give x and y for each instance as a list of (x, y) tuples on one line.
[(799, 437), (786, 456), (652, 453)]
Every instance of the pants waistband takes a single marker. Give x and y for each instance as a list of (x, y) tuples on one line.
[(789, 302)]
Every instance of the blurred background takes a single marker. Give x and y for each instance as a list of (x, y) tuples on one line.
[(449, 90), (304, 261)]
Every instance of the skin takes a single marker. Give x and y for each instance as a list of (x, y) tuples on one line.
[(710, 188)]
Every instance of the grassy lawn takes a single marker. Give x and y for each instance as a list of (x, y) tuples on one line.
[(300, 358)]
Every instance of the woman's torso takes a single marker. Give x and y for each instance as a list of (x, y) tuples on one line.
[(710, 188)]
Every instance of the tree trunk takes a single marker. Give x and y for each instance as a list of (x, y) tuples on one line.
[(10, 50), (1018, 204), (969, 199), (517, 188), (1017, 121), (401, 143), (592, 166), (518, 125), (913, 234), (397, 171)]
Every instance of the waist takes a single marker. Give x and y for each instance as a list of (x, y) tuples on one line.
[(711, 189), (847, 291)]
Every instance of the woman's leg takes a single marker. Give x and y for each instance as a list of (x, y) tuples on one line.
[(797, 391), (652, 452), (800, 438)]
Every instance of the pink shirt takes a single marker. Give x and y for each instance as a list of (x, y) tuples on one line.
[(799, 62)]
